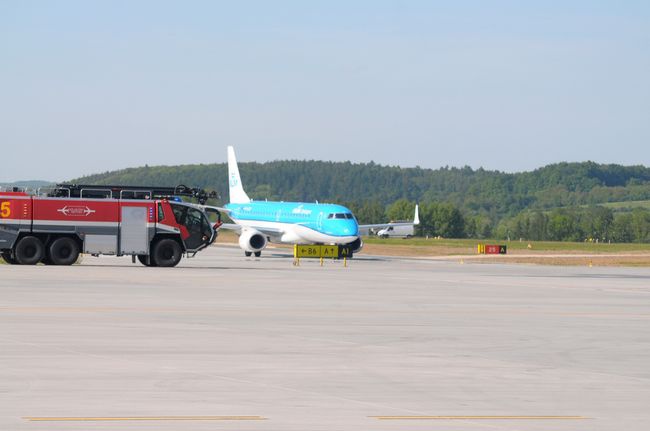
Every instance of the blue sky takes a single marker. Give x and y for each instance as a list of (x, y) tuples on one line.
[(87, 87)]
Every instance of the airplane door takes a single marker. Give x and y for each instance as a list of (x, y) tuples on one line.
[(319, 221)]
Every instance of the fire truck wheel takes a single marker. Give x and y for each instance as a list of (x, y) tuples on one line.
[(29, 250), (167, 252), (64, 251), (6, 255), (142, 258)]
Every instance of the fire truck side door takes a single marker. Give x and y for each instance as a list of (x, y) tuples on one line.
[(134, 237), (198, 227)]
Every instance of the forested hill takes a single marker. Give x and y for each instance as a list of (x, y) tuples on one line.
[(478, 191)]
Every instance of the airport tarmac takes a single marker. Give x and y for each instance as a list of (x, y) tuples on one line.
[(225, 342)]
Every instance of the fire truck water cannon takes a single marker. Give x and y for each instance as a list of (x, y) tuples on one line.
[(151, 224)]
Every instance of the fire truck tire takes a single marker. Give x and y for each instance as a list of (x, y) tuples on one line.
[(142, 258), (6, 255), (167, 252), (64, 251), (29, 250)]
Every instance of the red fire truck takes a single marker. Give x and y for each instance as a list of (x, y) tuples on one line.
[(151, 224)]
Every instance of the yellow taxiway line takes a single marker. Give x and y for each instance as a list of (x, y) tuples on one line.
[(145, 418), (389, 418)]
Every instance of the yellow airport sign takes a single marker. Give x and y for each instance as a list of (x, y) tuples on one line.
[(331, 251), (492, 249), (306, 250), (324, 251)]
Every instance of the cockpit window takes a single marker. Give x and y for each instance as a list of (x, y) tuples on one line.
[(341, 216)]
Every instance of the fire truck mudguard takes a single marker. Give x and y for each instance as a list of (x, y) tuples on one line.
[(150, 223), (6, 255)]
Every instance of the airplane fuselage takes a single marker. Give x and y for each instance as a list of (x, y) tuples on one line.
[(298, 222)]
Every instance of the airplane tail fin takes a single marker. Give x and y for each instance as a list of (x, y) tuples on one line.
[(237, 193), (416, 218)]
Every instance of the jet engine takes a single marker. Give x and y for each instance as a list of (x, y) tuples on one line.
[(356, 245), (252, 241)]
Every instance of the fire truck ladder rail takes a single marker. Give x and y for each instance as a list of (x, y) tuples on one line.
[(129, 192)]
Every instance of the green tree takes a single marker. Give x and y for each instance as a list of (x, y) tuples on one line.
[(641, 225), (402, 209), (623, 228), (561, 226), (371, 212)]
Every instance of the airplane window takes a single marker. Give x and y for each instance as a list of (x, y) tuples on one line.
[(349, 216), (330, 216), (340, 215)]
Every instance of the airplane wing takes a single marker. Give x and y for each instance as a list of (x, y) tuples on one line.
[(220, 209), (231, 226), (268, 231), (364, 229)]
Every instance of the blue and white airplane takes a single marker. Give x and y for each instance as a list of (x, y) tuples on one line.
[(261, 222)]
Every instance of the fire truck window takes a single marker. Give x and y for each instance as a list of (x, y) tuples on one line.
[(213, 215), (179, 213), (161, 213), (193, 220), (196, 222)]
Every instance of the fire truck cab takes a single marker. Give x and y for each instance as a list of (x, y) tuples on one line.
[(151, 224)]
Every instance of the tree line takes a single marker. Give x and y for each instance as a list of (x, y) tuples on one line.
[(474, 191), (559, 201), (594, 223)]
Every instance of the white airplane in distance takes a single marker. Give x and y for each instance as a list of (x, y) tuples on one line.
[(261, 222)]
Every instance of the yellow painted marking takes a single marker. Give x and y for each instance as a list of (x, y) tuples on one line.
[(145, 418), (477, 417)]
